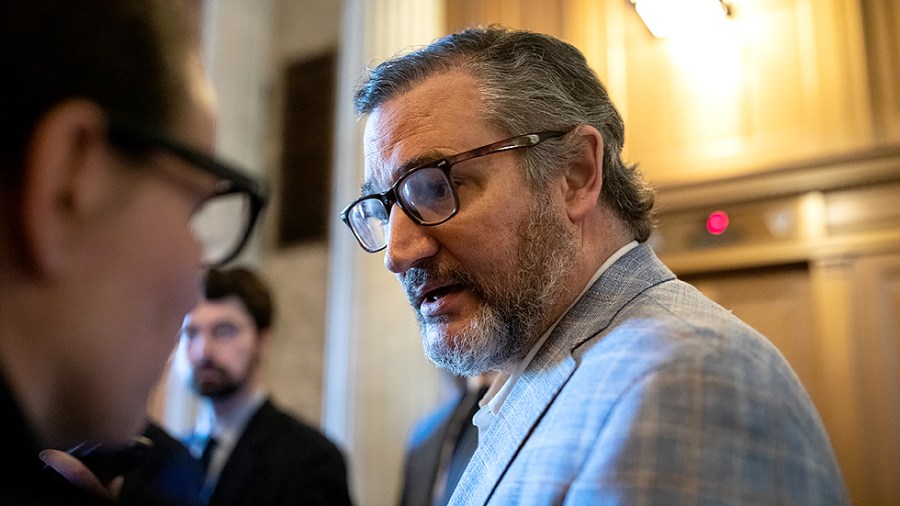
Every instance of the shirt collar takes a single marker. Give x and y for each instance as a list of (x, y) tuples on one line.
[(228, 428)]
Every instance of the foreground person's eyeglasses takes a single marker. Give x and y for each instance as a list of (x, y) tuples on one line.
[(425, 193), (223, 222)]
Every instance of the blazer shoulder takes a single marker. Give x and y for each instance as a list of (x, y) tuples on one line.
[(284, 432)]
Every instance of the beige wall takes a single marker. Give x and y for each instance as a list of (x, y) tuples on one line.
[(298, 275)]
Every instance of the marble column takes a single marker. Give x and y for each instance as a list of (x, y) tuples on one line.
[(377, 379)]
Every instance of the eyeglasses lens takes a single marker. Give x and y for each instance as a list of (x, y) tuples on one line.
[(368, 219), (427, 194), (220, 225)]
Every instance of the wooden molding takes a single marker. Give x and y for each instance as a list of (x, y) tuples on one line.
[(854, 169)]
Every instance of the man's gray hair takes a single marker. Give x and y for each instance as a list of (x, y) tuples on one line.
[(529, 82)]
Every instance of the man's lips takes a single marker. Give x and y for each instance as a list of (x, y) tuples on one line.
[(209, 370), (433, 293)]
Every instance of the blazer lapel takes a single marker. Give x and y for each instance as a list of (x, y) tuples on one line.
[(552, 367), (239, 469), (520, 412)]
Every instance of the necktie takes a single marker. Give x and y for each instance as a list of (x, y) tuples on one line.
[(207, 454)]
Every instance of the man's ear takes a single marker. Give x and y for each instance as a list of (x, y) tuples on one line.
[(59, 168), (584, 177)]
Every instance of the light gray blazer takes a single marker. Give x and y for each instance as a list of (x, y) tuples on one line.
[(647, 392)]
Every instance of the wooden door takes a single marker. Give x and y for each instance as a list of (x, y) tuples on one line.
[(778, 303), (876, 296), (837, 322)]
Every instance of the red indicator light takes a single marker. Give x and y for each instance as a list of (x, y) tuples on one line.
[(717, 222)]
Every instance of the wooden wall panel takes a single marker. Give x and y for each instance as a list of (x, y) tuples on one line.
[(539, 15), (877, 298), (882, 21), (858, 347), (842, 410), (787, 82)]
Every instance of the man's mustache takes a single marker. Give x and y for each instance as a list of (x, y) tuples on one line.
[(209, 365), (430, 272)]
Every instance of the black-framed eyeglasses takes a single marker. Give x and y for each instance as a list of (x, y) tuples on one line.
[(425, 193), (223, 222)]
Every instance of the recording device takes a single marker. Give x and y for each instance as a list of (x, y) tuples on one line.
[(109, 461)]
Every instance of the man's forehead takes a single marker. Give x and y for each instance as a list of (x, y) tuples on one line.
[(377, 138), (394, 147), (415, 128), (222, 310)]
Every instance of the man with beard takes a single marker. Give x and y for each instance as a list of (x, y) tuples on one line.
[(495, 184), (253, 452)]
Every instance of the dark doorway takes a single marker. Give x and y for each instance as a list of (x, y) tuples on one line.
[(306, 161)]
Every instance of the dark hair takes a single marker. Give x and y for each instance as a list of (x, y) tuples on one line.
[(128, 56), (247, 286), (528, 82)]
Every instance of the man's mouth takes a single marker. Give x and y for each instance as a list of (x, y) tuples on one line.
[(431, 298), (432, 289), (437, 293), (208, 370)]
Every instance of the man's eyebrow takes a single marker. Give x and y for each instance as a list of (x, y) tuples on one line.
[(369, 188)]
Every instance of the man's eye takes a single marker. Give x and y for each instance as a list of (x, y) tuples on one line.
[(438, 190), (225, 330)]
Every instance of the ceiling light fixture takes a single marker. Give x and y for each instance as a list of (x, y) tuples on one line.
[(671, 18)]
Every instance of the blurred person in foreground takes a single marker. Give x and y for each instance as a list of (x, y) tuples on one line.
[(252, 451), (494, 184), (106, 182)]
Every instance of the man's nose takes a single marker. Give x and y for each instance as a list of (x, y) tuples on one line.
[(407, 242), (197, 347)]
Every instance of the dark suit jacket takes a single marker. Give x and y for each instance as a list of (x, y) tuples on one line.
[(280, 460), (427, 448), (423, 454)]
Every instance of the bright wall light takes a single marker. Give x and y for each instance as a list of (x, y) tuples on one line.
[(671, 18)]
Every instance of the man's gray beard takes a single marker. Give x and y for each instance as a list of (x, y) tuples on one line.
[(514, 309)]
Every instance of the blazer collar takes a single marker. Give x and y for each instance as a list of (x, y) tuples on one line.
[(551, 368)]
